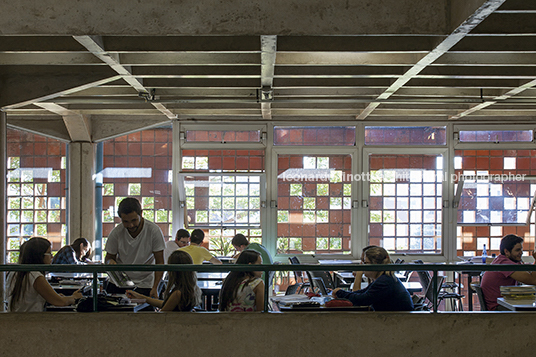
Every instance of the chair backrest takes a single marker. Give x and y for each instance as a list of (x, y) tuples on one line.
[(292, 289), (325, 276), (319, 283), (297, 274), (407, 274), (426, 282), (478, 289), (424, 278), (294, 260)]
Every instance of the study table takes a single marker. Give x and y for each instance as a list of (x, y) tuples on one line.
[(216, 276), (211, 291), (348, 275), (411, 286), (516, 304)]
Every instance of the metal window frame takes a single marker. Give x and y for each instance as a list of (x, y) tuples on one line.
[(182, 198), (459, 191)]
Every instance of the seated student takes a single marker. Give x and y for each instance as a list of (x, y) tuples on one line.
[(240, 243), (385, 292), (182, 292), (199, 254), (29, 290), (243, 291), (358, 275), (75, 253), (182, 239), (511, 249)]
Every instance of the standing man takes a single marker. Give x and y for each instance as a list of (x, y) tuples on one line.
[(198, 253), (511, 253), (182, 239), (136, 241)]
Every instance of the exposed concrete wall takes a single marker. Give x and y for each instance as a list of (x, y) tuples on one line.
[(192, 17), (289, 334)]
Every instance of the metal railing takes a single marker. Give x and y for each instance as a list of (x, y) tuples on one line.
[(95, 269)]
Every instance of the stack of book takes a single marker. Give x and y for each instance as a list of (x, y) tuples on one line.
[(525, 292)]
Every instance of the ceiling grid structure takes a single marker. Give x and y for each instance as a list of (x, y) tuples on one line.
[(356, 61)]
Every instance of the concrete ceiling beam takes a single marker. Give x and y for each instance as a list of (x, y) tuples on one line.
[(215, 17), (95, 45), (468, 24), (78, 125)]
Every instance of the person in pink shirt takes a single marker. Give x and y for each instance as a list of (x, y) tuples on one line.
[(511, 253)]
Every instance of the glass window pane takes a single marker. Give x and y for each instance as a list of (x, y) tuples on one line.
[(313, 212), (314, 135), (385, 135), (403, 204)]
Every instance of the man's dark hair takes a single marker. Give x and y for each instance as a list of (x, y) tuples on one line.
[(182, 233), (129, 205), (239, 240), (509, 241), (197, 236)]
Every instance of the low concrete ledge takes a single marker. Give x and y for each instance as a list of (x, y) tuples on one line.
[(287, 334)]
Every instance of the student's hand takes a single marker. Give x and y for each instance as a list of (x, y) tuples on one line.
[(334, 292), (77, 295), (111, 261), (134, 295), (154, 293), (358, 275)]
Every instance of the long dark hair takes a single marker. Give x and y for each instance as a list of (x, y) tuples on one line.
[(184, 281), (76, 247), (233, 280), (31, 252)]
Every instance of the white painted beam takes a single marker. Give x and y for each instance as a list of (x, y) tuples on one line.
[(78, 125)]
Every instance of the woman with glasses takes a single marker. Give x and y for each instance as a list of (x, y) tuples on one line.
[(29, 290), (385, 292)]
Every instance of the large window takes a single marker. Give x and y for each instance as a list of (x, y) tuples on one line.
[(405, 210), (495, 198), (36, 183), (314, 204), (224, 200), (138, 165)]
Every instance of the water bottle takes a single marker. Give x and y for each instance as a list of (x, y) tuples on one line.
[(484, 254)]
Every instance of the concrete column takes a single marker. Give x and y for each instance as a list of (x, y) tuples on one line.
[(81, 193), (3, 200)]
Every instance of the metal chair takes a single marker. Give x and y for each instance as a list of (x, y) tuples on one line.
[(298, 275), (478, 289), (455, 299)]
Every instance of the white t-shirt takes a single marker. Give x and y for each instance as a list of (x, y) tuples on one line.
[(137, 250), (30, 300), (171, 246)]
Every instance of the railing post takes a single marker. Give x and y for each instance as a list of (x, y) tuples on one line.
[(266, 288), (95, 292), (434, 290)]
